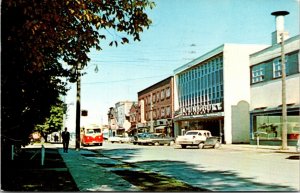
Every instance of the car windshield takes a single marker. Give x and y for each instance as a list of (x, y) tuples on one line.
[(97, 130), (90, 131), (191, 133)]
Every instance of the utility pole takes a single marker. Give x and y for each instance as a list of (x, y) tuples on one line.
[(78, 110), (151, 114), (284, 111), (280, 31)]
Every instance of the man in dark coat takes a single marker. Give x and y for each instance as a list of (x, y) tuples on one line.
[(65, 139)]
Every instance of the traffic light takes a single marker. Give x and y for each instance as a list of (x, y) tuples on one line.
[(84, 113)]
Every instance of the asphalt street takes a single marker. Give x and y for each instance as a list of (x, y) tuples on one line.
[(230, 168)]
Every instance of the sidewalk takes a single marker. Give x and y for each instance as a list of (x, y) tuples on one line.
[(260, 148), (26, 172), (90, 176)]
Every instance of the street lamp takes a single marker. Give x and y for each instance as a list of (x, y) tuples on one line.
[(78, 103)]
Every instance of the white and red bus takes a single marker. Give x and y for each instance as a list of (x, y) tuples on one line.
[(91, 135)]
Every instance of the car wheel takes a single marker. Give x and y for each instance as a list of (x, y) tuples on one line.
[(217, 145), (201, 145), (171, 143), (183, 146)]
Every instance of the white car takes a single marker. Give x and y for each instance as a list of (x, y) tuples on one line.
[(120, 139), (193, 138)]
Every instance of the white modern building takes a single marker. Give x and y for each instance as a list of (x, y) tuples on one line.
[(266, 89), (213, 92)]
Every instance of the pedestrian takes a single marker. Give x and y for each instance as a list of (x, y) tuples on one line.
[(66, 138), (55, 138)]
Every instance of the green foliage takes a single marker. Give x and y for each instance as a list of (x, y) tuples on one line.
[(43, 43), (54, 122)]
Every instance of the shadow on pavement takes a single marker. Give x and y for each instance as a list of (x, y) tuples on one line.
[(187, 173), (25, 172), (212, 180)]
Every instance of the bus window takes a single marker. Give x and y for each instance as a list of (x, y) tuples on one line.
[(89, 131), (97, 130)]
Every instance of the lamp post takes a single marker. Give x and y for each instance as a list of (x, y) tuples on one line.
[(78, 104), (78, 82)]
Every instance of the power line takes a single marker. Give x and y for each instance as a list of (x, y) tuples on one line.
[(129, 79)]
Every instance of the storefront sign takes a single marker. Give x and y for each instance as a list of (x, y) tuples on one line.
[(202, 109)]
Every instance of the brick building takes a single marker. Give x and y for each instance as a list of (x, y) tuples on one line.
[(157, 108)]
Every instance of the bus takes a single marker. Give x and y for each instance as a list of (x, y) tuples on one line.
[(91, 135)]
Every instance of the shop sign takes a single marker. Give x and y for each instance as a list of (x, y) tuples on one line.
[(202, 109)]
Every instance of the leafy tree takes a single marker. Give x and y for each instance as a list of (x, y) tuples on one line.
[(43, 43), (54, 122)]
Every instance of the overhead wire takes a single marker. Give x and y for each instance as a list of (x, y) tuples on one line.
[(128, 79)]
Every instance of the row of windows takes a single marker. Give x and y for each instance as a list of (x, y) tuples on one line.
[(202, 85), (164, 112), (272, 69), (160, 95)]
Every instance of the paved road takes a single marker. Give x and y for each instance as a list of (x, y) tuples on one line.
[(223, 169)]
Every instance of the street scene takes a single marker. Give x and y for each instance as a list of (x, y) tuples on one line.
[(128, 167), (228, 168), (150, 96)]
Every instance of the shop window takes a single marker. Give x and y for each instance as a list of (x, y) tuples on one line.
[(270, 127)]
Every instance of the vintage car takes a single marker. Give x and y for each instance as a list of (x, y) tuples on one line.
[(138, 137), (120, 139), (213, 142), (156, 139), (194, 138)]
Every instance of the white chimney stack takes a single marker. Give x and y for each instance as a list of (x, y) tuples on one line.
[(279, 17)]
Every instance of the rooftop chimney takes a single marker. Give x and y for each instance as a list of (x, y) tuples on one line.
[(279, 16)]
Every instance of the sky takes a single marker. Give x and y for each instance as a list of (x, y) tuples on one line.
[(181, 31)]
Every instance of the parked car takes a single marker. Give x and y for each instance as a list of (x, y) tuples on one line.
[(139, 136), (193, 138), (120, 139), (213, 142), (156, 139)]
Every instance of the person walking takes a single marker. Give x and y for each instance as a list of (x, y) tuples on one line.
[(65, 138)]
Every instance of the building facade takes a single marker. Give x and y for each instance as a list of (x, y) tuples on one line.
[(122, 109), (133, 118), (157, 107), (266, 89), (212, 92), (112, 123)]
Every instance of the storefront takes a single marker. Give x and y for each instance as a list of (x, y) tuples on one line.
[(211, 122), (266, 125)]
